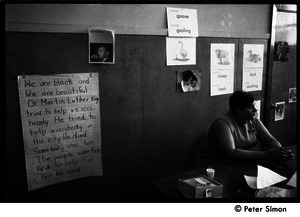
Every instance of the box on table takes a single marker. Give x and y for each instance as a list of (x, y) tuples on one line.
[(200, 187)]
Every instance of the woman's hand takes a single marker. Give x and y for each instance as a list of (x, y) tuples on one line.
[(278, 154)]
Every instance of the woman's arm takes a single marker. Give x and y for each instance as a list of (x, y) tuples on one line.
[(268, 141), (225, 141)]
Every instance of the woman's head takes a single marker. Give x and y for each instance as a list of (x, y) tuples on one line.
[(241, 102)]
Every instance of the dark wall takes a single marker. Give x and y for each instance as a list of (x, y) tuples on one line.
[(148, 129), (121, 112), (284, 76)]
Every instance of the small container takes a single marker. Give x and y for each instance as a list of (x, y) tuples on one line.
[(200, 187), (210, 172)]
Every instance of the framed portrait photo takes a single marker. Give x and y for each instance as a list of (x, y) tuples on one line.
[(101, 46)]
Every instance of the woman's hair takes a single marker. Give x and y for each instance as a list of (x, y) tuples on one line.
[(194, 78), (186, 75), (240, 99)]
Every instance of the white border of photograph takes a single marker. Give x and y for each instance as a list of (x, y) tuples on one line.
[(279, 111), (257, 106), (99, 38), (292, 95), (179, 88)]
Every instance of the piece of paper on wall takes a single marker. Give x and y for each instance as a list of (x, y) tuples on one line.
[(257, 106), (292, 95), (101, 46), (221, 82), (221, 69), (252, 79), (61, 127), (279, 111), (182, 22), (222, 56), (253, 56), (181, 51)]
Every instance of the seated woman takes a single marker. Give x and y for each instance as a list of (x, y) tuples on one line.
[(240, 135)]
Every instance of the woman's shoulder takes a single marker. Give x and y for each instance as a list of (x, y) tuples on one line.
[(225, 118), (222, 122)]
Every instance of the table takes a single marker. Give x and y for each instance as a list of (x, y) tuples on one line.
[(230, 175)]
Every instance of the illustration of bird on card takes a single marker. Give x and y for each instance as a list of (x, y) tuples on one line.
[(183, 53)]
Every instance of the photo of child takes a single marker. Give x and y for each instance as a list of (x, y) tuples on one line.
[(188, 81)]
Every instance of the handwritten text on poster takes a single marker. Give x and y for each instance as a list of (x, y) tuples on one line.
[(61, 127)]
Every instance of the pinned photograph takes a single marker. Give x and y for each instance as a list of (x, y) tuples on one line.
[(281, 51), (279, 111), (257, 107), (188, 81), (181, 51), (292, 95), (101, 46)]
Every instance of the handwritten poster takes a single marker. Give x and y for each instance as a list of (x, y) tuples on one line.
[(222, 69), (181, 51), (253, 67), (61, 127), (182, 22)]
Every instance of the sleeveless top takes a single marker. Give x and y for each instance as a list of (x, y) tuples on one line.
[(246, 136)]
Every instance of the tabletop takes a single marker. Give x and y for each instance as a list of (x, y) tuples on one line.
[(231, 175)]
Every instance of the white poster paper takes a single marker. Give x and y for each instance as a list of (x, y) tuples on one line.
[(61, 127), (221, 82), (252, 79), (222, 56), (253, 67), (222, 69), (253, 56), (182, 22), (181, 51)]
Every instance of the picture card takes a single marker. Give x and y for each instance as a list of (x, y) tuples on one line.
[(181, 51)]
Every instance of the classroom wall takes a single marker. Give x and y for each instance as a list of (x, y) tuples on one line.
[(148, 129), (214, 20)]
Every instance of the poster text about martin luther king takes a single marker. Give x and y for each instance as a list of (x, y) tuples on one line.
[(61, 127)]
